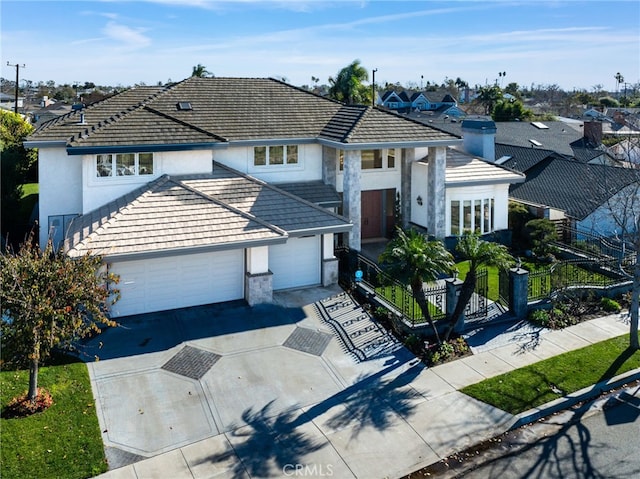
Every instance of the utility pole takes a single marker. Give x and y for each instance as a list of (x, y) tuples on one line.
[(17, 66), (373, 87)]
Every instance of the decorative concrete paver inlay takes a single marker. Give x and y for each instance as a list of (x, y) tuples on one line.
[(308, 341), (191, 362)]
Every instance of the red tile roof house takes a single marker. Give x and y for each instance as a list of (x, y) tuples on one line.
[(217, 189)]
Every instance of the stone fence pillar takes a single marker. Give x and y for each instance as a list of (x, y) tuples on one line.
[(518, 292)]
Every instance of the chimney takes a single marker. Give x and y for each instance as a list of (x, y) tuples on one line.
[(479, 138), (593, 132)]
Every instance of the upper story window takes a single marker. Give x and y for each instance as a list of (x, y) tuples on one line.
[(124, 164), (373, 159), (275, 155)]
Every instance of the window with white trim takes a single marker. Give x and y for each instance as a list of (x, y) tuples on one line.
[(472, 215), (372, 159), (124, 164), (275, 155)]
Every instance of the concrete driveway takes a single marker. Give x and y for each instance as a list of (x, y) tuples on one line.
[(272, 391)]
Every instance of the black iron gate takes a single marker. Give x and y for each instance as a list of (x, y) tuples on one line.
[(478, 304)]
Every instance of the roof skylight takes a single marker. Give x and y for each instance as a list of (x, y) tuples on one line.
[(184, 106), (535, 142), (539, 125)]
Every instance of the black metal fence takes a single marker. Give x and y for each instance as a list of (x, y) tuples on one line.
[(356, 269), (572, 274), (478, 304)]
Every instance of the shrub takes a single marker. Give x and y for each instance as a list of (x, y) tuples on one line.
[(610, 305)]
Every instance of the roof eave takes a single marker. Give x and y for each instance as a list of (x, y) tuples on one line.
[(185, 251), (495, 181), (344, 228), (88, 150), (389, 144), (44, 144)]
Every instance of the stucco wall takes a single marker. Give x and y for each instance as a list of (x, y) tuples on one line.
[(309, 167), (60, 178), (99, 191)]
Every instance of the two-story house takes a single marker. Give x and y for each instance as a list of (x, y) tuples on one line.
[(196, 196)]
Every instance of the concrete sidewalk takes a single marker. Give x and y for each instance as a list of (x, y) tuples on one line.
[(283, 398)]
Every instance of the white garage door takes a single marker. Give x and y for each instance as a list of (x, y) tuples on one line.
[(295, 263), (179, 281)]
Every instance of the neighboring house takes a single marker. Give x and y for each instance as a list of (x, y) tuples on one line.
[(406, 101), (193, 196), (568, 175), (49, 111)]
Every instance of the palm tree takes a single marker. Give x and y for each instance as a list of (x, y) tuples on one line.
[(200, 71), (479, 253), (347, 86), (412, 259)]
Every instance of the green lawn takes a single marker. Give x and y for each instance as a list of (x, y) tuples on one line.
[(30, 193), (30, 189), (492, 278), (533, 385), (393, 294), (62, 442)]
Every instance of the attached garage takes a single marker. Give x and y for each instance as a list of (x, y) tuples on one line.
[(178, 281), (295, 263)]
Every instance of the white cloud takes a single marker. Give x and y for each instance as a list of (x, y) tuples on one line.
[(127, 36)]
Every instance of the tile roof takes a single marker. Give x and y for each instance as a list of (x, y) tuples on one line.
[(572, 186), (222, 210), (463, 168), (227, 110), (266, 201), (315, 192)]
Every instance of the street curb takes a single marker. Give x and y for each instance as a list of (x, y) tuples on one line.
[(585, 394)]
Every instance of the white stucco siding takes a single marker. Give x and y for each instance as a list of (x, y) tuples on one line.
[(308, 168), (60, 178), (499, 193), (99, 191), (379, 179)]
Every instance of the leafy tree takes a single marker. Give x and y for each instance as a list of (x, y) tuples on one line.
[(16, 164), (609, 102), (513, 89), (488, 96), (541, 233), (506, 110), (48, 300), (200, 71), (414, 260), (479, 253), (347, 86)]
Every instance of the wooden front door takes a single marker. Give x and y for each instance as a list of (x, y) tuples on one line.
[(371, 211)]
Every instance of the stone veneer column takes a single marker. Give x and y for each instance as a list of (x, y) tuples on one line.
[(436, 175), (352, 194), (258, 280), (329, 165), (518, 292), (408, 157)]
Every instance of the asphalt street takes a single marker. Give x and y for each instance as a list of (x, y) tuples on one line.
[(604, 443)]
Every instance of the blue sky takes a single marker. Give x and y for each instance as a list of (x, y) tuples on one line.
[(574, 44)]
